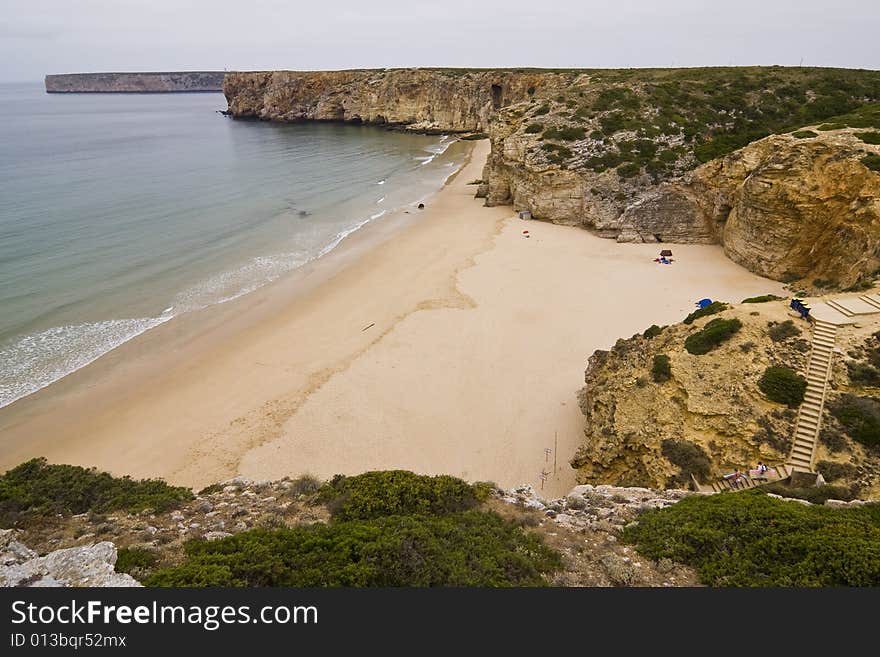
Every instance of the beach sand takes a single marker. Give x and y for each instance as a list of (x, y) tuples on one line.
[(440, 341)]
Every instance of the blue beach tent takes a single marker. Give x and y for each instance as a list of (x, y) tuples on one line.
[(702, 303)]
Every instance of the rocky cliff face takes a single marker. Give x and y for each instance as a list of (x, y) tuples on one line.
[(425, 100), (783, 207), (172, 82), (710, 413), (620, 151)]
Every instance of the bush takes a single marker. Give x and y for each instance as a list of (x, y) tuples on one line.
[(803, 134), (542, 110), (762, 299), (833, 471), (534, 128), (35, 487), (566, 133), (863, 374), (783, 385), (305, 485), (712, 334), (783, 330), (689, 457), (629, 170), (464, 549), (652, 331), (870, 137), (860, 417), (395, 492), (833, 438), (872, 161), (713, 308), (661, 371), (475, 136), (137, 562), (750, 539), (812, 494)]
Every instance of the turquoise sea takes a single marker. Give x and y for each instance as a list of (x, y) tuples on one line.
[(119, 212)]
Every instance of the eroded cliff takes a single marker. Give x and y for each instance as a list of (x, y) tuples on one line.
[(673, 155), (425, 100), (650, 424)]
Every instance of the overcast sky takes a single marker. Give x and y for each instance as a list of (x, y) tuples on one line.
[(63, 36)]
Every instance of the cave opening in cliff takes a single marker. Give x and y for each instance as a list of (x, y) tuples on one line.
[(497, 93)]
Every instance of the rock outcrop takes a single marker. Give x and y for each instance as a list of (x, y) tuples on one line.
[(423, 100), (710, 416), (783, 207), (88, 565), (171, 82)]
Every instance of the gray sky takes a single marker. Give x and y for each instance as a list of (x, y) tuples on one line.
[(63, 36)]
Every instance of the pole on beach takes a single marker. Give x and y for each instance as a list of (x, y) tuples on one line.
[(555, 448)]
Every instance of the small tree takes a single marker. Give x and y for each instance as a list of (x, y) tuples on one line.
[(783, 385), (662, 369)]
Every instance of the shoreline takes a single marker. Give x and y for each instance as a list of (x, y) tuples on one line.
[(440, 341)]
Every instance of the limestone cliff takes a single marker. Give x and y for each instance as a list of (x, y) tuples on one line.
[(783, 207), (425, 100), (171, 82), (673, 155), (711, 407)]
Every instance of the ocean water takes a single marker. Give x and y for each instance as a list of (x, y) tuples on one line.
[(119, 212)]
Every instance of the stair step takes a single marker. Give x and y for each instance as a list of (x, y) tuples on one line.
[(839, 308), (871, 301)]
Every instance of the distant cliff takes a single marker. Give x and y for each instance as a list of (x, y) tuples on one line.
[(424, 100), (171, 82)]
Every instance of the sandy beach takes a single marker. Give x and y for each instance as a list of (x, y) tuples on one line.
[(441, 341)]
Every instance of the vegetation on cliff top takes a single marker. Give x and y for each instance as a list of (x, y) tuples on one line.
[(783, 385), (665, 121), (38, 488), (749, 539), (389, 528), (714, 333)]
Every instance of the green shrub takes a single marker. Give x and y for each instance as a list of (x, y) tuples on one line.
[(762, 299), (35, 487), (653, 331), (872, 161), (475, 136), (395, 492), (661, 370), (831, 126), (137, 562), (826, 283), (557, 149), (305, 485), (534, 128), (750, 539), (783, 330), (689, 457), (629, 170), (863, 374), (712, 334), (803, 134), (860, 417), (833, 471), (464, 549), (870, 137), (542, 110), (566, 133), (712, 309), (783, 385), (812, 494), (833, 438)]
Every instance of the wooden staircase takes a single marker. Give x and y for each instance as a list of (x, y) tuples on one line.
[(846, 312), (809, 419), (871, 299), (782, 472)]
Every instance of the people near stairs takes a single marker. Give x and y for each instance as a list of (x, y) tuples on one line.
[(735, 479), (762, 469)]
